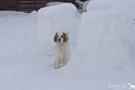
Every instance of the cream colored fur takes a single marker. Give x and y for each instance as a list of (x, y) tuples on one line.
[(62, 51)]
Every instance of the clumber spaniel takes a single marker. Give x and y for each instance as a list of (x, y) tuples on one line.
[(62, 49)]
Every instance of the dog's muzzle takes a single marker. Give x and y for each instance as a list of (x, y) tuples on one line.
[(59, 40)]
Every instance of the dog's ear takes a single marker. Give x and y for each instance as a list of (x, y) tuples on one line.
[(55, 37), (65, 37)]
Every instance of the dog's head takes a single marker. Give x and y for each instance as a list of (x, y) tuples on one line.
[(60, 37)]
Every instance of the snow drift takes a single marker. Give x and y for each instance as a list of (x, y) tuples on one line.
[(108, 37), (107, 5), (51, 20)]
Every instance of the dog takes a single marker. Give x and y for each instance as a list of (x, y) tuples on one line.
[(62, 49)]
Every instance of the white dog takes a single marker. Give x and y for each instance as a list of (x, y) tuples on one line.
[(62, 49)]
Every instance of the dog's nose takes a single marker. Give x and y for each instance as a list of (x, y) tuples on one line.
[(59, 39)]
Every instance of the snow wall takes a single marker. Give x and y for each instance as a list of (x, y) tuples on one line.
[(104, 36), (51, 20), (106, 5)]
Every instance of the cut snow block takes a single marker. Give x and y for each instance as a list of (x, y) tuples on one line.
[(105, 5), (51, 20), (106, 37)]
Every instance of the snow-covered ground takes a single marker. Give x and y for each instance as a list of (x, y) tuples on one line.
[(102, 44)]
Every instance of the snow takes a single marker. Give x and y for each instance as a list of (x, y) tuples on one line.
[(109, 32), (107, 5), (108, 38), (102, 48), (54, 19)]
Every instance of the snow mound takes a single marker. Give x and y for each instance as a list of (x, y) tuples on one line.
[(106, 37), (51, 20), (100, 5)]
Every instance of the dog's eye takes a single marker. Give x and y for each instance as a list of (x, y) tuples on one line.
[(62, 36)]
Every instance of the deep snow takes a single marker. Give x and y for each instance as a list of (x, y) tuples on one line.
[(102, 49), (109, 5)]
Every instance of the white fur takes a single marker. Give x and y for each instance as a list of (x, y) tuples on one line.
[(62, 52)]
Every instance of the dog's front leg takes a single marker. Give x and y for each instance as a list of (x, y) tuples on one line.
[(65, 60), (57, 64)]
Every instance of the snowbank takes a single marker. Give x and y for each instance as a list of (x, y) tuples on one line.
[(105, 49), (51, 20), (16, 33), (100, 5), (17, 50), (106, 37)]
